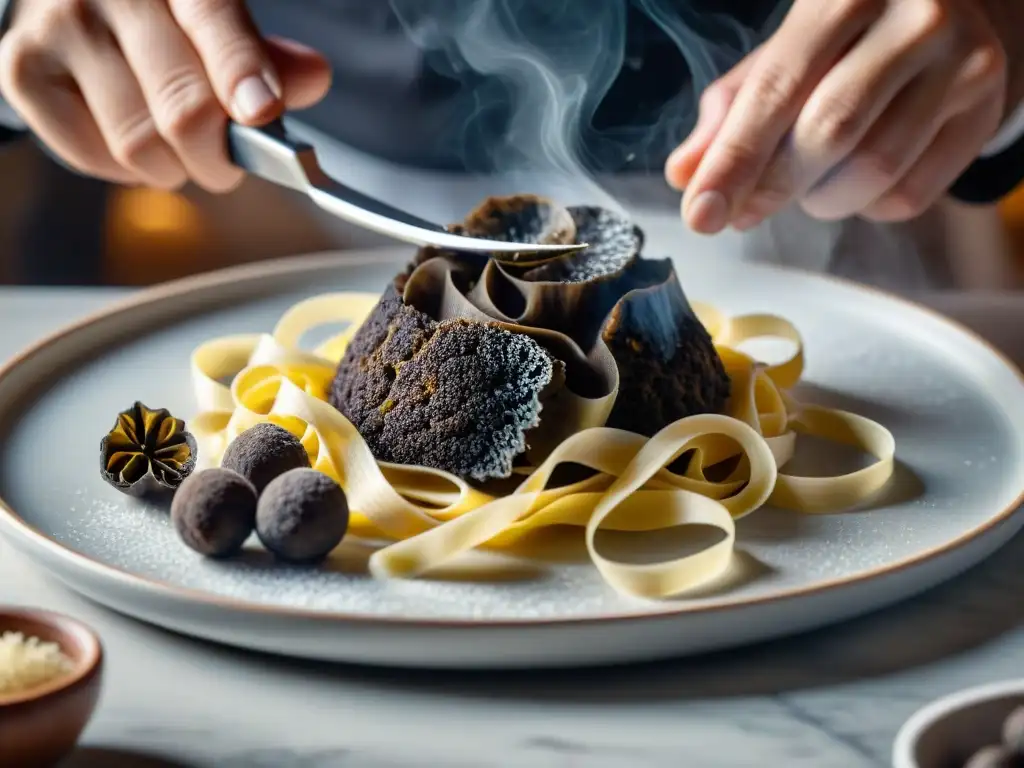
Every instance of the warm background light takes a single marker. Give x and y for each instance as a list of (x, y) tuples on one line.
[(150, 212), (154, 235), (1013, 214)]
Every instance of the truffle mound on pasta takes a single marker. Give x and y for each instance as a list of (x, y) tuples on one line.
[(542, 348)]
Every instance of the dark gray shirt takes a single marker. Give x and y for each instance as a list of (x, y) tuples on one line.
[(487, 84), (500, 85)]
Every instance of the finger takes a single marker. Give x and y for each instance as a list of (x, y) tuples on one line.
[(848, 101), (714, 106), (887, 152), (955, 147), (47, 98), (792, 63), (179, 95), (305, 73), (112, 94), (234, 57), (900, 138)]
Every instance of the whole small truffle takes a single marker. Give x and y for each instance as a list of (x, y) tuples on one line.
[(214, 512), (992, 757), (302, 515), (1013, 733), (264, 452)]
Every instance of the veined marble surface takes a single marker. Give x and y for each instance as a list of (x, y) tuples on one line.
[(833, 699)]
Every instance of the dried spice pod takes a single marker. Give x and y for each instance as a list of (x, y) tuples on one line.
[(148, 451)]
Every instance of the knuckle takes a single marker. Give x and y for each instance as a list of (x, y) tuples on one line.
[(774, 86), (198, 13), (186, 103), (986, 63), (842, 13), (852, 9), (904, 203), (927, 20), (64, 14), (712, 94), (222, 183), (135, 139), (879, 163), (172, 182), (836, 122), (739, 154), (238, 55), (18, 54)]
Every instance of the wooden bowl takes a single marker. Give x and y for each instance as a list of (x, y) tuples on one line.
[(41, 726), (950, 730)]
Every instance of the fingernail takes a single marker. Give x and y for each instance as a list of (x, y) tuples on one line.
[(709, 212), (252, 98)]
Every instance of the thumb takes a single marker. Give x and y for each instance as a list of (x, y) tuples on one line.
[(715, 103), (305, 73)]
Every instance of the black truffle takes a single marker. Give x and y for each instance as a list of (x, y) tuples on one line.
[(1013, 733), (301, 516), (214, 512), (668, 365), (597, 316), (613, 244), (992, 757), (457, 395), (263, 452)]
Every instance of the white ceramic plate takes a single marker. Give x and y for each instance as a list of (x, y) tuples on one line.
[(955, 405)]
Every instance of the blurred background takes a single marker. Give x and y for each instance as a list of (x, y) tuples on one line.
[(57, 228)]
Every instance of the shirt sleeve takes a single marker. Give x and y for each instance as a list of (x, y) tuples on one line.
[(1000, 167), (11, 127)]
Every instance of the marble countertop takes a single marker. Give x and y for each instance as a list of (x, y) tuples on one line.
[(832, 699)]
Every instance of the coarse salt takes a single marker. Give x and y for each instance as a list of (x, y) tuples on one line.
[(28, 662)]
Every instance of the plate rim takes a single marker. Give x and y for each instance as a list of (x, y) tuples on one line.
[(31, 537)]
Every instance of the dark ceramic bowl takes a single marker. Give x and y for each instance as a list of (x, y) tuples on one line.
[(41, 726), (948, 731)]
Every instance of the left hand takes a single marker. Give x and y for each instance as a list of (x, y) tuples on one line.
[(853, 107)]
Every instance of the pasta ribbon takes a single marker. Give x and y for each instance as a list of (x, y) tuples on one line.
[(426, 517)]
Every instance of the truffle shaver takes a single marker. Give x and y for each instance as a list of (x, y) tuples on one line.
[(268, 152)]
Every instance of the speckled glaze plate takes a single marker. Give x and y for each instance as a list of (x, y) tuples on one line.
[(955, 405)]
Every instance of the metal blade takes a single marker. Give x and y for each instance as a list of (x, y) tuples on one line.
[(269, 153)]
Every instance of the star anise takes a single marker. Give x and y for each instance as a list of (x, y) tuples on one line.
[(147, 451)]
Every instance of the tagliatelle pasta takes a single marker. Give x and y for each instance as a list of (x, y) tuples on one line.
[(427, 516)]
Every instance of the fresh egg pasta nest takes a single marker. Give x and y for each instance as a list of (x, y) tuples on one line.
[(427, 516)]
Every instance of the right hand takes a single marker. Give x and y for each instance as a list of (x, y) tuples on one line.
[(139, 92)]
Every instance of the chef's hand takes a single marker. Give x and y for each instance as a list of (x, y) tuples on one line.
[(853, 107), (139, 91)]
